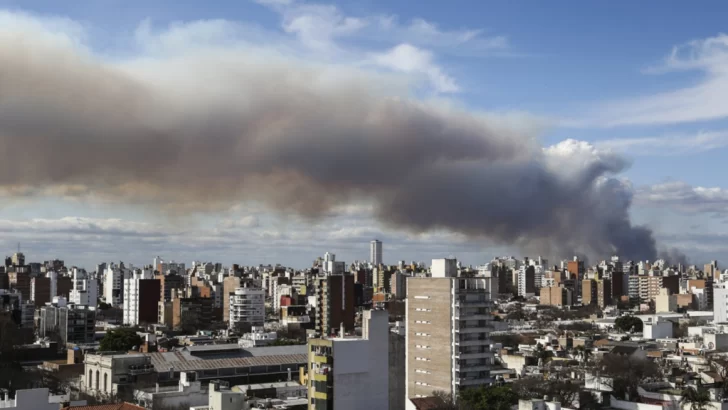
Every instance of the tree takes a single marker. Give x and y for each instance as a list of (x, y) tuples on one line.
[(488, 398), (628, 324), (695, 398), (121, 339), (626, 373), (515, 312), (720, 365), (445, 401), (543, 355)]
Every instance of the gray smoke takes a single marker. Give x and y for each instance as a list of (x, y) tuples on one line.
[(209, 129)]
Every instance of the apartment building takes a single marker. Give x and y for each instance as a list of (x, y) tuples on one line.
[(334, 303), (448, 328), (247, 307), (348, 372), (141, 298)]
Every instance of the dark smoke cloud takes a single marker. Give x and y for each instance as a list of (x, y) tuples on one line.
[(209, 129)]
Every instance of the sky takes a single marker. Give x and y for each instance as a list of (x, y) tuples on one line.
[(645, 81)]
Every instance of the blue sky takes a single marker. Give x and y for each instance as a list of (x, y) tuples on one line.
[(640, 78)]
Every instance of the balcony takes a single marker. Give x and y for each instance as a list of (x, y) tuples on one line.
[(478, 355), (472, 316), (474, 381), (468, 330), (472, 342), (472, 368)]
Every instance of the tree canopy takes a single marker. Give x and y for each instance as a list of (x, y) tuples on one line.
[(628, 323), (121, 339)]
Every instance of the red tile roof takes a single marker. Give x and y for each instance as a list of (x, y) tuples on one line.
[(426, 403)]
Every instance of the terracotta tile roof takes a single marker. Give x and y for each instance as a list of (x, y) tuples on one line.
[(115, 406), (426, 403)]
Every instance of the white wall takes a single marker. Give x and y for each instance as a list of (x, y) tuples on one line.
[(32, 399)]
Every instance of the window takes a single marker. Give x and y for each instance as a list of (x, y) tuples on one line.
[(422, 359), (423, 347), (421, 384), (423, 310), (422, 371), (422, 297), (423, 322), (422, 334)]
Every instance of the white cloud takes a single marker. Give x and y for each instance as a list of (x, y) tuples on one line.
[(703, 101), (410, 59), (683, 197), (668, 145)]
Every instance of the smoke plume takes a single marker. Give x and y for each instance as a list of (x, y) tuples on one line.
[(210, 128)]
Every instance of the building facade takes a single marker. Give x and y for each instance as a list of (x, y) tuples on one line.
[(247, 307), (448, 328), (348, 372)]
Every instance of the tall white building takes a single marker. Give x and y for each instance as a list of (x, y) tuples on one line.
[(332, 266), (131, 295), (114, 276), (444, 268), (84, 288), (720, 303), (247, 306), (375, 252), (349, 372), (448, 345)]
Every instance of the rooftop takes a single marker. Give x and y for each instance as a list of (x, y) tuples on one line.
[(256, 356)]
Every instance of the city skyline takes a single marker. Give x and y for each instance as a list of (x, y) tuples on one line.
[(535, 85)]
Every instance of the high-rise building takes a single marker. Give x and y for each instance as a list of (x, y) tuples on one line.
[(168, 283), (335, 303), (247, 308), (596, 292), (448, 327), (141, 298), (114, 277), (84, 288), (375, 252), (720, 303), (229, 284), (40, 291), (72, 323), (555, 296), (349, 372)]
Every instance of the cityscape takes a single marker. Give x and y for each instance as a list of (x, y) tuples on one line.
[(363, 205), (363, 334)]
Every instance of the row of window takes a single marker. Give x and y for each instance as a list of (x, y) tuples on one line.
[(423, 347), (423, 322), (422, 334)]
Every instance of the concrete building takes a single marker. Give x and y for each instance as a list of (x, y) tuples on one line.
[(40, 291), (331, 266), (141, 298), (335, 304), (105, 373), (114, 277), (348, 372), (444, 268), (247, 307), (528, 282), (72, 323), (448, 328), (375, 252), (186, 313), (720, 303), (84, 288), (188, 393), (169, 283), (34, 399), (596, 292), (229, 284), (665, 302), (556, 296)]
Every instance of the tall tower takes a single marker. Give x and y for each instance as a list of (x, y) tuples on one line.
[(448, 328), (375, 252)]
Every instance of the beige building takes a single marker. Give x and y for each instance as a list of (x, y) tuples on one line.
[(555, 296), (448, 328), (665, 302)]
